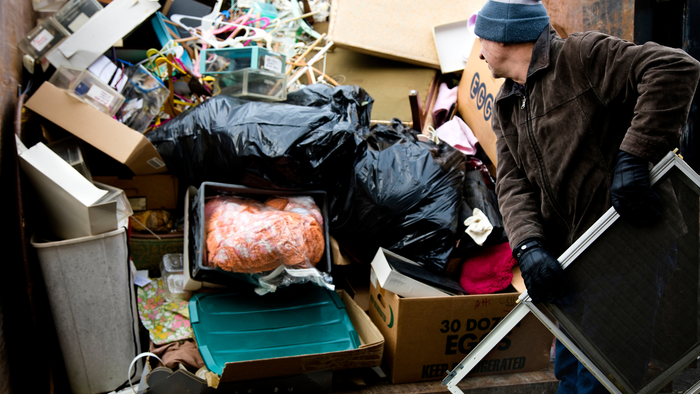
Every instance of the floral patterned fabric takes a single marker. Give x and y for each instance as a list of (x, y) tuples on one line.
[(166, 321)]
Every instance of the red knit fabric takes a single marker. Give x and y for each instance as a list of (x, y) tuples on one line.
[(488, 270)]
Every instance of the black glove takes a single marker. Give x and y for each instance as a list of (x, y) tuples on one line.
[(543, 275), (631, 192)]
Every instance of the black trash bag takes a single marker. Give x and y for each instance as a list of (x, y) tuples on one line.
[(302, 143), (403, 195), (479, 192)]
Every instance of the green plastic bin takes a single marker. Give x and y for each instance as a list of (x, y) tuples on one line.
[(293, 321)]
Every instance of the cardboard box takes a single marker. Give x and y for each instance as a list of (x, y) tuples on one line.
[(475, 100), (146, 192), (425, 337), (395, 30), (74, 207), (93, 39), (105, 133), (369, 354)]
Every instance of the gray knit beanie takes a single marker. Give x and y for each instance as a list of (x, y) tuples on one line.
[(511, 21)]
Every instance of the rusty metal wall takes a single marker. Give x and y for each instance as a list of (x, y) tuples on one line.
[(614, 17), (16, 18)]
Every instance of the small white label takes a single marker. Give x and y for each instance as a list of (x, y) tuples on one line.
[(78, 22), (273, 64), (42, 40), (100, 95), (244, 3), (156, 163)]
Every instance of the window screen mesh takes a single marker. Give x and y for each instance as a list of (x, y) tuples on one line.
[(633, 304)]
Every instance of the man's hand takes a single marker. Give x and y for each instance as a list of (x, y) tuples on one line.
[(631, 192), (543, 275)]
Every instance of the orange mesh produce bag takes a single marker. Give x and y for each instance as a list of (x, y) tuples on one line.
[(245, 235)]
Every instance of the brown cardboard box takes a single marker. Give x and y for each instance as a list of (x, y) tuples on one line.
[(369, 354), (144, 192), (427, 336), (475, 100), (105, 133), (398, 30)]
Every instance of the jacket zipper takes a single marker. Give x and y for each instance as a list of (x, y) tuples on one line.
[(538, 156)]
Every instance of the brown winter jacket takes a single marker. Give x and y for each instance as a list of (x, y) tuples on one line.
[(585, 98)]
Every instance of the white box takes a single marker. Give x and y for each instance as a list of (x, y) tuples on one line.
[(88, 282), (453, 42), (398, 283), (74, 206)]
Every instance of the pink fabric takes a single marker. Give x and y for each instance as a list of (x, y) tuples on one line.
[(445, 99), (489, 270), (459, 135)]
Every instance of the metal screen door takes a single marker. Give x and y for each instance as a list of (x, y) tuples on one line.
[(631, 315)]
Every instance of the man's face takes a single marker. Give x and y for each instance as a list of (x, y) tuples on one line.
[(495, 55)]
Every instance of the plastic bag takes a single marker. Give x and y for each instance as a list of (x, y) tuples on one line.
[(275, 243), (479, 192), (403, 195), (302, 143)]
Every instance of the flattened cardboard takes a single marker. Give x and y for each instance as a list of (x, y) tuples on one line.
[(425, 337), (369, 354), (105, 133), (475, 100), (157, 191), (395, 30)]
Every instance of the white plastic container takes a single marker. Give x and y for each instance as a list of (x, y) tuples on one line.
[(47, 5), (69, 150), (73, 14), (172, 275), (92, 90), (42, 38), (251, 83), (144, 96), (63, 77), (88, 282)]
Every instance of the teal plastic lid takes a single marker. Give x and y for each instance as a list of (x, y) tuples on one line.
[(293, 321)]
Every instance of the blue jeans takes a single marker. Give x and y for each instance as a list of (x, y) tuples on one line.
[(573, 377)]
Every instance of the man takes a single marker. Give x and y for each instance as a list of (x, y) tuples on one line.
[(579, 121)]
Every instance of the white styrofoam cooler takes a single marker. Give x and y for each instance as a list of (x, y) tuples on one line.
[(90, 291)]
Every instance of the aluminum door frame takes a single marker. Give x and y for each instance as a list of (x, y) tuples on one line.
[(525, 304)]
